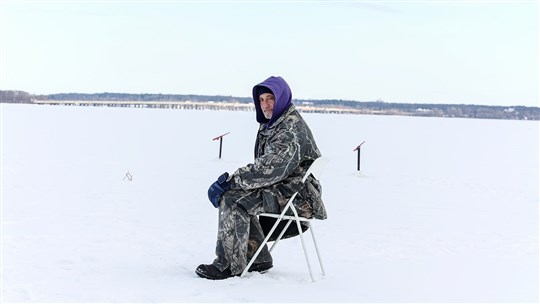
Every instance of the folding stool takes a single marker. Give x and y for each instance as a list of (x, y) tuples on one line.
[(315, 169)]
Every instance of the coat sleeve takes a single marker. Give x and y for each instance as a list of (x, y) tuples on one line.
[(281, 158)]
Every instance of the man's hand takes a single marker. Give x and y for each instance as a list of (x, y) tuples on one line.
[(217, 189)]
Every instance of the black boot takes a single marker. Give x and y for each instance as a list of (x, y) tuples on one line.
[(260, 267), (211, 272)]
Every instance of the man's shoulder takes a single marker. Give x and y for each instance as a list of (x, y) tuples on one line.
[(290, 120), (295, 116)]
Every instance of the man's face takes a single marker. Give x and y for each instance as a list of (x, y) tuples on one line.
[(267, 104)]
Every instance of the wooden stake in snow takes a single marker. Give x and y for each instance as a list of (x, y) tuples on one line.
[(220, 142), (358, 149)]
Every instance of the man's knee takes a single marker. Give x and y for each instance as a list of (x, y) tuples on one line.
[(247, 201), (228, 199)]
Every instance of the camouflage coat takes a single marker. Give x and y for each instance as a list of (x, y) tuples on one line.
[(283, 153)]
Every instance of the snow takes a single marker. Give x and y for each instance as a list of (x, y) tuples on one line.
[(443, 209)]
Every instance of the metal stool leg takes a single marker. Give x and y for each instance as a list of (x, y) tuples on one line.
[(316, 248), (303, 243)]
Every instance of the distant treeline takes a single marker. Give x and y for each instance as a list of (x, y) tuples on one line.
[(15, 97), (368, 107)]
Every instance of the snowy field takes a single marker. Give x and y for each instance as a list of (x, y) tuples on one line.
[(443, 210)]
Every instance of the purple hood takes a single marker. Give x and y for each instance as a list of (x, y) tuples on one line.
[(283, 96)]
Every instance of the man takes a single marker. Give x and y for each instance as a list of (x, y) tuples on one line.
[(284, 150)]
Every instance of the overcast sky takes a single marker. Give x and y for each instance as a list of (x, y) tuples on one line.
[(471, 52)]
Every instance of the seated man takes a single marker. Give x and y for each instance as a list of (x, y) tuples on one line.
[(284, 150)]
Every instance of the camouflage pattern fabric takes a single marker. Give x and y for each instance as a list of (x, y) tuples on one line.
[(283, 154), (239, 231)]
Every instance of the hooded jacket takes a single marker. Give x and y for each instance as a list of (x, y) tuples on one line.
[(284, 150)]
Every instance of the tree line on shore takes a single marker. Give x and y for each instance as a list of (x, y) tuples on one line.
[(368, 107)]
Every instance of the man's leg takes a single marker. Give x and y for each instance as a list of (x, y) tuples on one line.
[(239, 231), (256, 237)]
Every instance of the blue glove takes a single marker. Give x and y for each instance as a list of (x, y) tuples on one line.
[(217, 189)]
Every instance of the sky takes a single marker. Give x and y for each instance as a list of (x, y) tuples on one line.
[(451, 52)]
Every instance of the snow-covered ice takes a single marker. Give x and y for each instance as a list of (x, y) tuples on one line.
[(444, 210)]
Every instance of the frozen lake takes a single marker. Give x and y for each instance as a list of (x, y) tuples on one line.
[(444, 210)]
